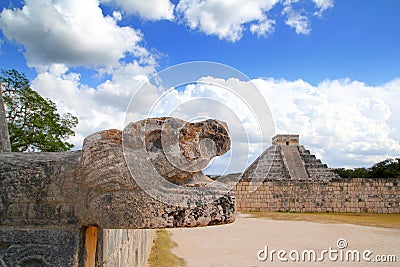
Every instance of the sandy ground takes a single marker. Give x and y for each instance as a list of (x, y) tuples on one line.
[(238, 244)]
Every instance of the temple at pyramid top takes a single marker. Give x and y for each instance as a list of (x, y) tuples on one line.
[(287, 159), (286, 139)]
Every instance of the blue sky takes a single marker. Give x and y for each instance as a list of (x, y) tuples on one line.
[(355, 39), (307, 54)]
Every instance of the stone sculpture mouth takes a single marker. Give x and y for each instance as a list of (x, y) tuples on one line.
[(192, 135), (178, 150)]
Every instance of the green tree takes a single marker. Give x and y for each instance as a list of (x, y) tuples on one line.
[(388, 168), (342, 172), (353, 173), (360, 173), (33, 121)]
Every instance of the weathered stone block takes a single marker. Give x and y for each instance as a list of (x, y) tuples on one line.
[(40, 247)]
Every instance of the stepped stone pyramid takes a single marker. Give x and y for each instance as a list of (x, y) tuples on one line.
[(287, 159)]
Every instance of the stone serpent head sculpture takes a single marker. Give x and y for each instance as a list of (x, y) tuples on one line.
[(160, 162), (146, 176)]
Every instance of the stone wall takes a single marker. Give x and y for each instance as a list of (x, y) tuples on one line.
[(40, 247), (60, 247), (125, 247), (338, 195)]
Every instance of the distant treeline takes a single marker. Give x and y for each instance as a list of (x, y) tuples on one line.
[(389, 168)]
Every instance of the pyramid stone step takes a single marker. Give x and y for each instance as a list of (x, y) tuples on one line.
[(293, 162)]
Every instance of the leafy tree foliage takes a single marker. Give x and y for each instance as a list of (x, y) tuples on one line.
[(386, 168), (33, 121), (389, 168), (352, 173)]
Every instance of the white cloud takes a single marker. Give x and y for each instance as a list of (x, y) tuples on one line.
[(346, 123), (224, 18), (295, 19), (263, 28), (70, 32), (323, 4), (97, 108), (117, 15), (299, 18), (148, 9), (229, 19)]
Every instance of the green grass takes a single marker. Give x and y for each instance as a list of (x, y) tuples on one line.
[(161, 255), (364, 219)]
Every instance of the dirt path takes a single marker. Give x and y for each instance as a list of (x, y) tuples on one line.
[(238, 244)]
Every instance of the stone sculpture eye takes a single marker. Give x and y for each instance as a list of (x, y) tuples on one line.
[(153, 141)]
